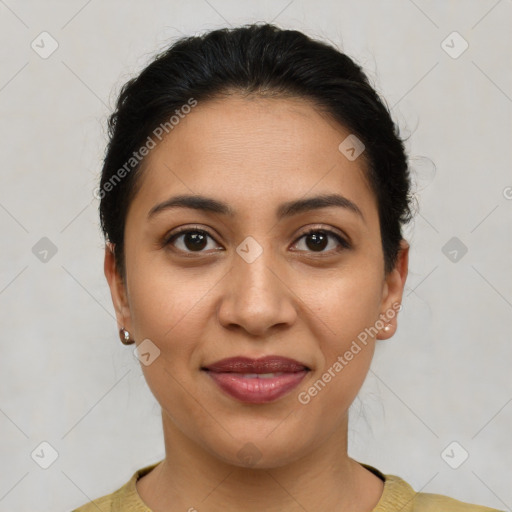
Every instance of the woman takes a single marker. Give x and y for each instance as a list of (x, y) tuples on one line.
[(252, 198)]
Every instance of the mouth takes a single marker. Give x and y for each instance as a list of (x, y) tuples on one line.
[(256, 381)]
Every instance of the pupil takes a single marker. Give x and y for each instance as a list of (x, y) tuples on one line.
[(195, 241), (319, 241)]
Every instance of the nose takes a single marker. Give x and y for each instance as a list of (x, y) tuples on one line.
[(257, 296)]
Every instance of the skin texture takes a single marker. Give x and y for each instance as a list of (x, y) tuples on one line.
[(255, 153)]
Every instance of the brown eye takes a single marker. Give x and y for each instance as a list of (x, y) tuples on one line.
[(191, 240), (317, 240)]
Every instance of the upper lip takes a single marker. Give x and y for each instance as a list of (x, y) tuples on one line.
[(267, 364)]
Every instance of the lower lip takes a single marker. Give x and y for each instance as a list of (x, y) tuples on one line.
[(256, 390)]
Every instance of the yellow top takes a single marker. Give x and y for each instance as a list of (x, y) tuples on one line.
[(398, 495)]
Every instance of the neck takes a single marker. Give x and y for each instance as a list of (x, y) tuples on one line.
[(190, 478)]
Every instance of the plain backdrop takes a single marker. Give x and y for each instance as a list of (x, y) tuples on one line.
[(443, 68)]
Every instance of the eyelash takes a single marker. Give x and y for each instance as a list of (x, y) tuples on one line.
[(168, 240)]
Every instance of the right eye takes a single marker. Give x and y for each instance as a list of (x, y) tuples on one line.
[(190, 240)]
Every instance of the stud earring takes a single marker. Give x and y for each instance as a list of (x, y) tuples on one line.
[(387, 328), (125, 338)]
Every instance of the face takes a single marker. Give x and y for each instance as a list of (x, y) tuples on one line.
[(265, 273)]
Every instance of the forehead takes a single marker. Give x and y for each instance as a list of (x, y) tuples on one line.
[(255, 151)]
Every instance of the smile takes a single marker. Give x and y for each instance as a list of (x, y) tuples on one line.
[(256, 381)]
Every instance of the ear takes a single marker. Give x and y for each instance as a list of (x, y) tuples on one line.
[(393, 290), (117, 288)]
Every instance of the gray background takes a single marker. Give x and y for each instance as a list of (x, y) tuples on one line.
[(445, 376)]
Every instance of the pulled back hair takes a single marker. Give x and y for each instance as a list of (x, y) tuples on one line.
[(253, 59)]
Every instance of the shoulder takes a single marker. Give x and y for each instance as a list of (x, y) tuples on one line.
[(398, 495), (124, 499), (104, 504), (107, 503), (427, 502)]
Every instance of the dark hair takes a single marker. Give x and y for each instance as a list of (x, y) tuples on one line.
[(261, 59)]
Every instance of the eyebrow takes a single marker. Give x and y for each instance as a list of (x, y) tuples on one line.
[(284, 210)]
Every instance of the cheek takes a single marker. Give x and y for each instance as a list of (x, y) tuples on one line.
[(346, 310), (168, 308), (166, 304), (342, 305)]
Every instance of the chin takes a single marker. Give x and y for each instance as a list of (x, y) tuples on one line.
[(261, 448)]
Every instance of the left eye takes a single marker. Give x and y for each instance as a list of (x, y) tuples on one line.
[(317, 240)]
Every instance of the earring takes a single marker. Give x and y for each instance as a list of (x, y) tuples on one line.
[(387, 327), (124, 335)]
